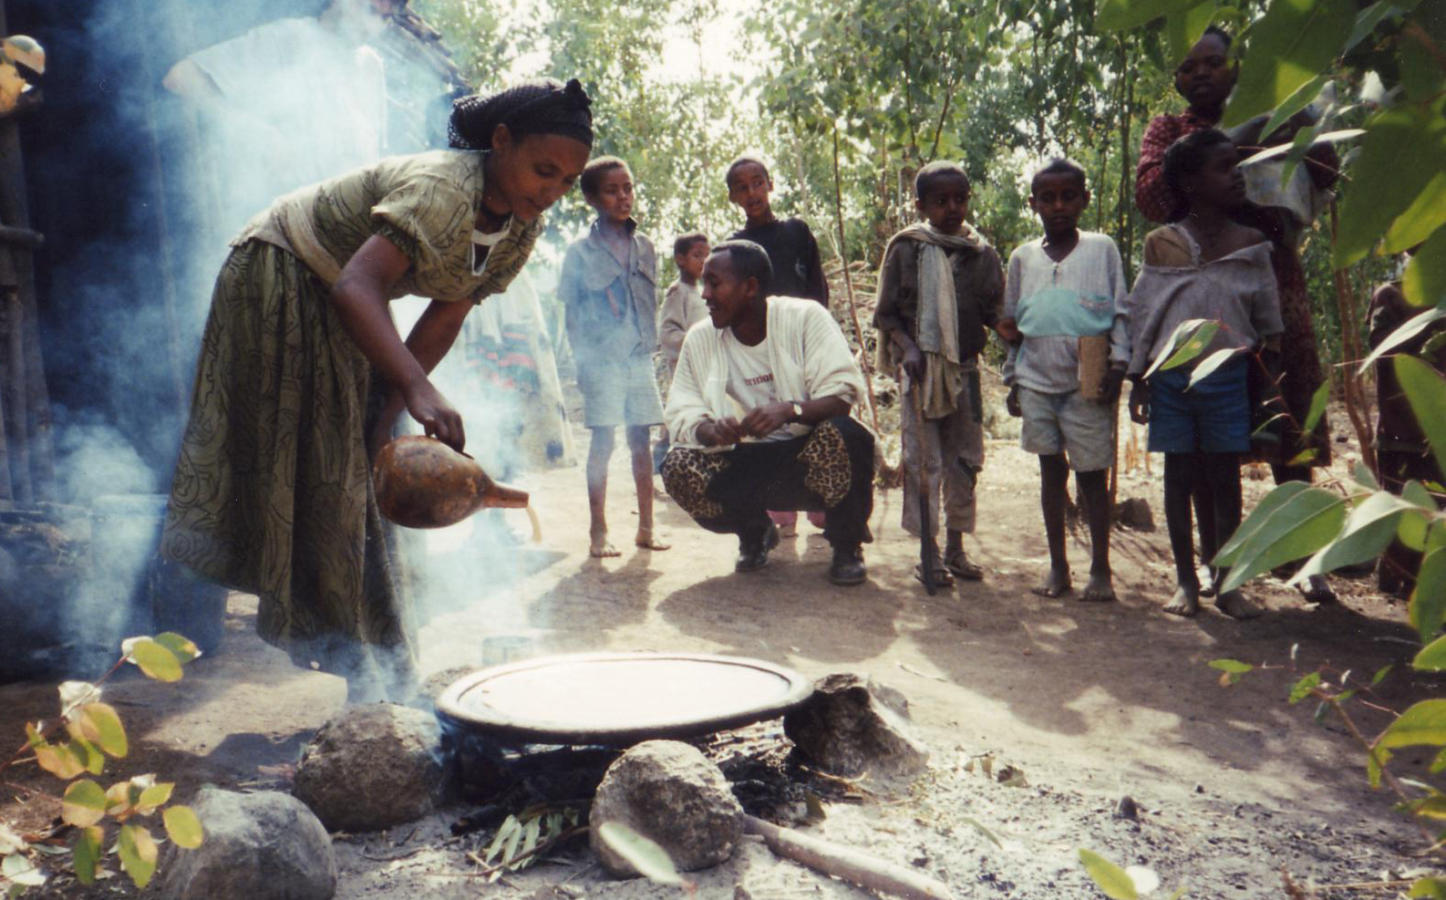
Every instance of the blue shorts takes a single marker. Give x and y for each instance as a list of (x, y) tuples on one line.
[(619, 392), (1211, 417)]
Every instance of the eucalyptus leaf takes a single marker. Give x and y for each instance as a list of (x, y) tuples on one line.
[(1426, 390), (1207, 366), (1317, 406), (83, 804), (1425, 214), (1326, 137), (642, 853), (1110, 878), (1404, 333), (87, 853), (1293, 521), (1184, 27), (1187, 341), (1299, 100), (1118, 15), (1302, 688), (183, 827), (101, 725), (138, 852), (1368, 528), (1423, 724), (1424, 281), (1233, 666), (155, 660), (1289, 46), (1402, 151), (1427, 609)]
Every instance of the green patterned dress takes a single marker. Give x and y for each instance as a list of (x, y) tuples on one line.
[(272, 491)]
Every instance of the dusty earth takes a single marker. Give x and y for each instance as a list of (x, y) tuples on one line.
[(1084, 703)]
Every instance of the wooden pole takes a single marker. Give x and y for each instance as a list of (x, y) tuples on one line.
[(1351, 389), (859, 868), (864, 362), (16, 421), (32, 464)]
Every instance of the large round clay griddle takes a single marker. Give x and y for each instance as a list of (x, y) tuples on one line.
[(619, 699)]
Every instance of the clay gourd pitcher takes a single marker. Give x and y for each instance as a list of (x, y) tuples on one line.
[(423, 483)]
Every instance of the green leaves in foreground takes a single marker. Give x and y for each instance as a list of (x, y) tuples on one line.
[(1289, 46), (1293, 521), (642, 853), (1187, 341), (1422, 724), (1121, 884), (1426, 390)]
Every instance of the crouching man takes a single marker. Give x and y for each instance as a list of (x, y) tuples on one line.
[(759, 414)]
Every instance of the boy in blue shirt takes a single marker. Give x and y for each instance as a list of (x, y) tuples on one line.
[(1063, 292), (607, 288)]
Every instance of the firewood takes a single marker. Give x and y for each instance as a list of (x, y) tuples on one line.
[(838, 861)]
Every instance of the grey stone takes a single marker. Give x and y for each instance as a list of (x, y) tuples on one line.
[(669, 792), (266, 844), (1135, 513), (851, 726), (372, 767)]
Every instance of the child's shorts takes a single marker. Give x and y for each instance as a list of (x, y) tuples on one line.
[(619, 392), (1211, 417), (1054, 423)]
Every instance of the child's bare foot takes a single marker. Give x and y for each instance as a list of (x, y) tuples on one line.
[(648, 541), (1234, 605), (1207, 580), (1056, 584), (1100, 589), (598, 546), (1186, 602)]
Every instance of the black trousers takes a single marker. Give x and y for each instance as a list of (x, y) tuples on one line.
[(830, 469)]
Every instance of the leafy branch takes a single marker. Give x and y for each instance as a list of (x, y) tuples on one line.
[(77, 743)]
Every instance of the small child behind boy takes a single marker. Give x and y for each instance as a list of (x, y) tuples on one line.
[(683, 304), (608, 292), (1063, 287), (683, 307), (940, 291)]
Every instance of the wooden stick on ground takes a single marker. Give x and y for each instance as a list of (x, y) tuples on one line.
[(866, 871)]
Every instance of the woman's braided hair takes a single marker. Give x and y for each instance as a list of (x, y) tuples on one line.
[(543, 106)]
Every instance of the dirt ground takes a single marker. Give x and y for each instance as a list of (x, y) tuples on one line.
[(1089, 702)]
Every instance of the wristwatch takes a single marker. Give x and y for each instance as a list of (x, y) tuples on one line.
[(797, 412)]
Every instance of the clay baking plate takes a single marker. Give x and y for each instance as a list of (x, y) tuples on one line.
[(619, 699)]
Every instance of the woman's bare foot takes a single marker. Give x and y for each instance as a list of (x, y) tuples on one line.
[(649, 541), (598, 546), (1185, 603), (1234, 605), (1056, 584), (1100, 589)]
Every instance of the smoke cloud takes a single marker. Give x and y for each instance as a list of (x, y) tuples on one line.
[(138, 182)]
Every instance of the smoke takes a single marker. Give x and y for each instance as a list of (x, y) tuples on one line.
[(167, 124)]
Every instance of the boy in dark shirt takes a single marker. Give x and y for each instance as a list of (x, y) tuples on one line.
[(793, 253), (797, 269)]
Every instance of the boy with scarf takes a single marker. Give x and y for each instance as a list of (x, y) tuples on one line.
[(941, 288)]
